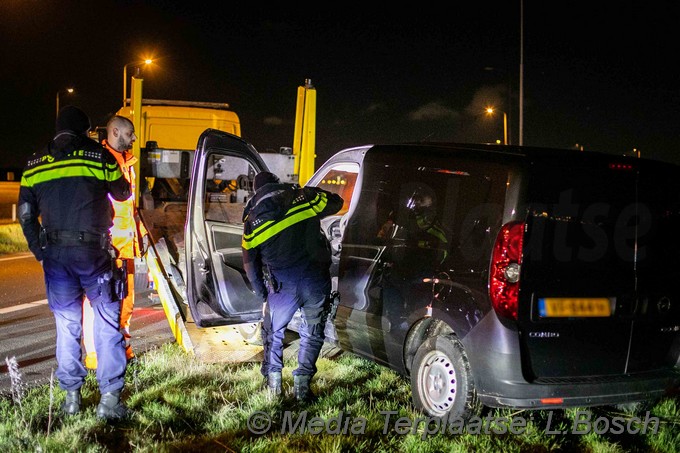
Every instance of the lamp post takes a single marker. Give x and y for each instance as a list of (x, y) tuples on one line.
[(69, 91), (134, 63), (490, 111)]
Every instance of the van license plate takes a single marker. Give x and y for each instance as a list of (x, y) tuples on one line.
[(567, 307)]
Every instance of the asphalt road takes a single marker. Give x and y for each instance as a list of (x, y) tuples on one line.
[(21, 281), (27, 329)]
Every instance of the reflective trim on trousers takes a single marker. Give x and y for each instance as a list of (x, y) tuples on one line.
[(309, 294), (70, 273)]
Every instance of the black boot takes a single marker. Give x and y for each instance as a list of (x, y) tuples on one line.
[(71, 405), (274, 383), (110, 407), (302, 388)]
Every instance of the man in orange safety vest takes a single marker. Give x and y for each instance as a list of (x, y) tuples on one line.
[(128, 236)]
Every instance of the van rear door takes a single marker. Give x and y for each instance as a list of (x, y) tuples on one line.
[(655, 336), (596, 266)]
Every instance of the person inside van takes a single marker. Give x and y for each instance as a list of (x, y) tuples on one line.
[(424, 222)]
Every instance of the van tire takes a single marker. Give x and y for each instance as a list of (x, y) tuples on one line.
[(441, 381)]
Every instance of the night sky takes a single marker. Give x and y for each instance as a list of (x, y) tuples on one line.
[(602, 75)]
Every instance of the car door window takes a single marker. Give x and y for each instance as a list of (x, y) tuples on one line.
[(228, 188), (340, 179)]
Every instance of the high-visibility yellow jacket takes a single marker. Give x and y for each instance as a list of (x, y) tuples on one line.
[(127, 229)]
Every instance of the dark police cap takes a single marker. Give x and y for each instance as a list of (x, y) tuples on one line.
[(263, 178), (71, 118)]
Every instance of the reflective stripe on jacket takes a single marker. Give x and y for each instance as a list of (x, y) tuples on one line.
[(297, 213), (127, 228), (282, 230), (65, 187)]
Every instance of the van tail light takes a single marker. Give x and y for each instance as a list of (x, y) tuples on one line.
[(506, 264)]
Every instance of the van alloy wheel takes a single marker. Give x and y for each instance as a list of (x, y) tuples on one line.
[(441, 380)]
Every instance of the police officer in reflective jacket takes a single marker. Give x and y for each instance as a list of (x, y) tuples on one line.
[(282, 236), (65, 215)]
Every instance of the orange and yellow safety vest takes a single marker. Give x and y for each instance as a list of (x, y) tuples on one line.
[(127, 228)]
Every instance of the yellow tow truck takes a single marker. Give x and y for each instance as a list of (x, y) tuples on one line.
[(168, 132)]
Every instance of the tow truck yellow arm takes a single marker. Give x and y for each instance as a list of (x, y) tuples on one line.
[(136, 117), (304, 137)]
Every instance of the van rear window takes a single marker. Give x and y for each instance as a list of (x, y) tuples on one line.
[(603, 215)]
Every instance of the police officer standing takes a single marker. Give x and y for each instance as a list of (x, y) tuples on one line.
[(282, 233), (65, 215)]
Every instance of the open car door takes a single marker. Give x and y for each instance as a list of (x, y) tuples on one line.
[(217, 288)]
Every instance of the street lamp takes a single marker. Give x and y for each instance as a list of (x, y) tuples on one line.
[(69, 91), (490, 111), (134, 63)]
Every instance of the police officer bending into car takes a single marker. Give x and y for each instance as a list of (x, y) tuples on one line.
[(282, 233), (65, 214)]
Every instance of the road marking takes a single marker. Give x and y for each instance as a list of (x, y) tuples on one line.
[(17, 256), (37, 303)]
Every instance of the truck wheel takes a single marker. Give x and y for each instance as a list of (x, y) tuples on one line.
[(251, 332), (441, 381)]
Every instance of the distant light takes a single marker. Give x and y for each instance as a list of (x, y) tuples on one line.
[(337, 181), (618, 166), (453, 172)]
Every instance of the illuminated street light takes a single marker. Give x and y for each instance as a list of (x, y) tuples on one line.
[(490, 111), (148, 61), (67, 90)]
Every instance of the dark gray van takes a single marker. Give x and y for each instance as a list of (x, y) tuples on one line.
[(495, 276)]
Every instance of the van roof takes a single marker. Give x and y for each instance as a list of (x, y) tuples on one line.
[(495, 152)]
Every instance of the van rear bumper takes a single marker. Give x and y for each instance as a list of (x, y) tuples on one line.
[(496, 364), (644, 387)]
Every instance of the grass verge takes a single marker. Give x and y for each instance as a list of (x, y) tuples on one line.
[(181, 404), (12, 239)]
